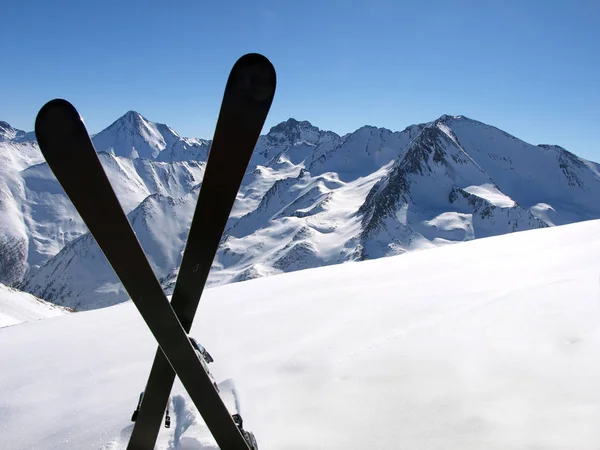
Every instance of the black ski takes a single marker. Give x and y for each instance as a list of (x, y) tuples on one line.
[(69, 152), (246, 102)]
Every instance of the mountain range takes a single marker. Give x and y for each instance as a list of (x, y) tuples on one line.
[(309, 198)]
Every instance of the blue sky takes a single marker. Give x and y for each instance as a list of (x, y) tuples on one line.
[(530, 68)]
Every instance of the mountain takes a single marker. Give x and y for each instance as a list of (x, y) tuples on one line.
[(450, 180), (8, 133), (309, 198), (490, 344), (79, 275), (17, 152), (133, 136), (47, 221), (38, 219)]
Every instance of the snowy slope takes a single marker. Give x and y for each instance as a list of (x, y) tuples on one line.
[(50, 219), (80, 276), (14, 157), (38, 220), (490, 344), (17, 307)]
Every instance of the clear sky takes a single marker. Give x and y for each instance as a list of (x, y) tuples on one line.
[(529, 67)]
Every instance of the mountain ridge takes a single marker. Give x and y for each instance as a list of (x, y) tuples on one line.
[(309, 198)]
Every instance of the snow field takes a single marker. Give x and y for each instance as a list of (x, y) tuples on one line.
[(489, 344)]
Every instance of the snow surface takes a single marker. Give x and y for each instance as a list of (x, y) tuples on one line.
[(491, 194), (17, 307), (491, 344)]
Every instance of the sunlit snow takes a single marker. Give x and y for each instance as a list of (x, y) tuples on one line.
[(491, 194), (490, 344), (17, 307)]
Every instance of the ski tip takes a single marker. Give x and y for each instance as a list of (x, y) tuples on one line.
[(254, 73), (54, 114), (254, 58), (58, 105), (56, 122)]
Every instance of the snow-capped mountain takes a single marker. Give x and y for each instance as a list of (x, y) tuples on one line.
[(8, 133), (38, 219), (17, 153), (451, 180), (85, 280), (53, 219), (309, 198), (133, 136)]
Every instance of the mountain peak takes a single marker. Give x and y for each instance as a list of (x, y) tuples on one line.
[(133, 136), (444, 118), (133, 114), (292, 132), (8, 133), (291, 124), (133, 118)]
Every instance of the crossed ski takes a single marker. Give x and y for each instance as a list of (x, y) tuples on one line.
[(69, 152)]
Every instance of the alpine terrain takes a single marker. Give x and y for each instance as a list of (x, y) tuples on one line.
[(310, 198)]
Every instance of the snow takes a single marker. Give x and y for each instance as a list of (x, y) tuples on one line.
[(361, 153), (17, 307), (489, 344), (544, 212), (19, 155), (134, 136), (456, 225), (491, 193), (527, 173)]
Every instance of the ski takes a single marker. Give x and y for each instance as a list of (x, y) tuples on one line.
[(246, 102), (69, 152)]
